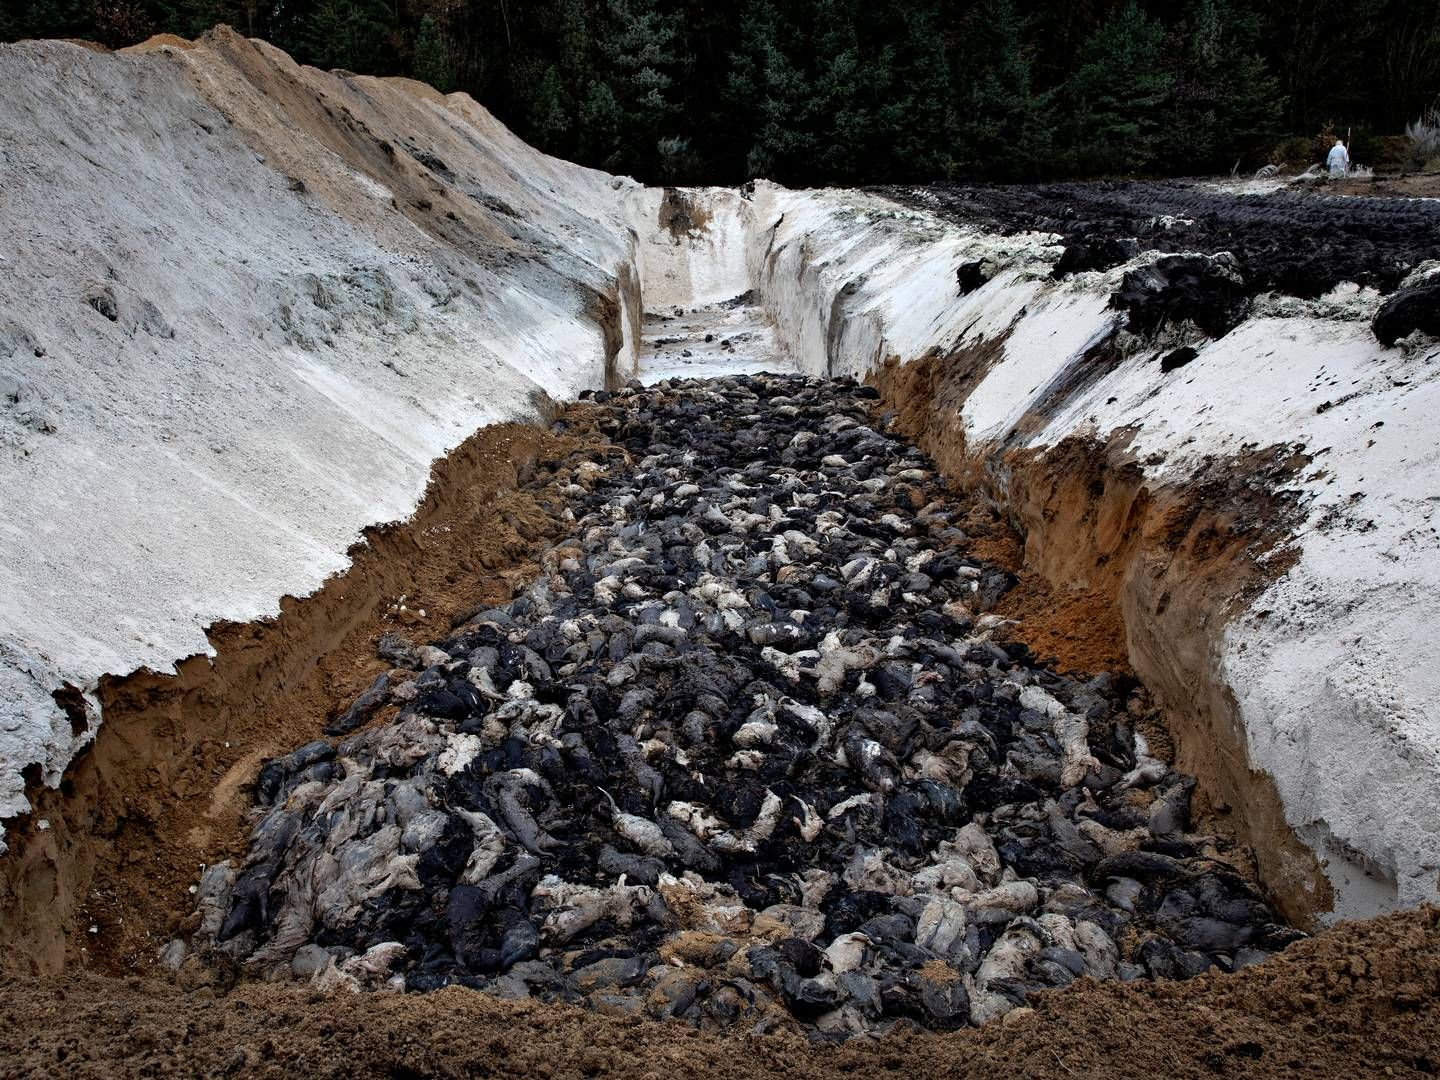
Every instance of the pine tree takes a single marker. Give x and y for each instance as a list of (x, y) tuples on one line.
[(601, 121), (844, 91), (119, 23), (1226, 102), (576, 68), (772, 96), (1409, 67), (432, 61), (1119, 95), (1005, 126), (855, 91), (349, 34), (191, 18), (549, 112), (644, 59), (677, 162), (924, 127), (53, 19)]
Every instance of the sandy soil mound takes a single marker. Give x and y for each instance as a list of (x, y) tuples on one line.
[(246, 304), (1360, 1000)]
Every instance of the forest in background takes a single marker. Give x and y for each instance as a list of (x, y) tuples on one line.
[(864, 91)]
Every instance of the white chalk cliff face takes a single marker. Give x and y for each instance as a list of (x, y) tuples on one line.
[(246, 305)]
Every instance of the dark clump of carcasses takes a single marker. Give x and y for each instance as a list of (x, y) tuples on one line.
[(746, 753), (1409, 310), (1221, 250)]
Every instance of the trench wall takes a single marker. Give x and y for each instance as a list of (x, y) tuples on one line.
[(1264, 517), (245, 306)]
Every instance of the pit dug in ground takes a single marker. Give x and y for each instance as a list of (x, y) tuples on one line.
[(746, 754)]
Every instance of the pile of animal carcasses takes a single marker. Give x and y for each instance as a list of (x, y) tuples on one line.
[(744, 753)]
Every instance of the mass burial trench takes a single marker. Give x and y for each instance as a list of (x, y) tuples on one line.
[(1053, 616)]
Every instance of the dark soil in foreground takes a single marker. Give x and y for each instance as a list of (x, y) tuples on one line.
[(1359, 1000), (1296, 243)]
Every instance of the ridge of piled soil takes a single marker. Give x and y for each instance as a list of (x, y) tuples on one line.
[(1360, 999), (1119, 569)]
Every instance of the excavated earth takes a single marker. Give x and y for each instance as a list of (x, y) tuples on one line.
[(1358, 1000), (757, 724)]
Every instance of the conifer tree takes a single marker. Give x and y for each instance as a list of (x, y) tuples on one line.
[(856, 91), (574, 38), (191, 18), (51, 18), (1225, 102), (643, 59), (349, 34), (770, 95), (549, 112), (601, 122), (924, 126), (844, 98), (432, 62), (1005, 126), (1119, 94)]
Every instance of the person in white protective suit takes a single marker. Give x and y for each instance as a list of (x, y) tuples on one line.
[(1339, 159)]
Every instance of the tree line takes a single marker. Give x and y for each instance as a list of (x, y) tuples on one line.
[(859, 91)]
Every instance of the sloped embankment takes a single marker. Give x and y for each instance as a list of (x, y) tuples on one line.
[(246, 307)]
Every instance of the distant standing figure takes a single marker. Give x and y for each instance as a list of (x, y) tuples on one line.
[(1339, 159)]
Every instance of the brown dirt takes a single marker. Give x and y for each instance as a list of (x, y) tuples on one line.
[(1360, 1000), (681, 216), (1072, 628), (1404, 185), (165, 786), (160, 41), (1076, 629)]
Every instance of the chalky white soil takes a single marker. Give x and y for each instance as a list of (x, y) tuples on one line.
[(1333, 669), (303, 322), (710, 340)]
